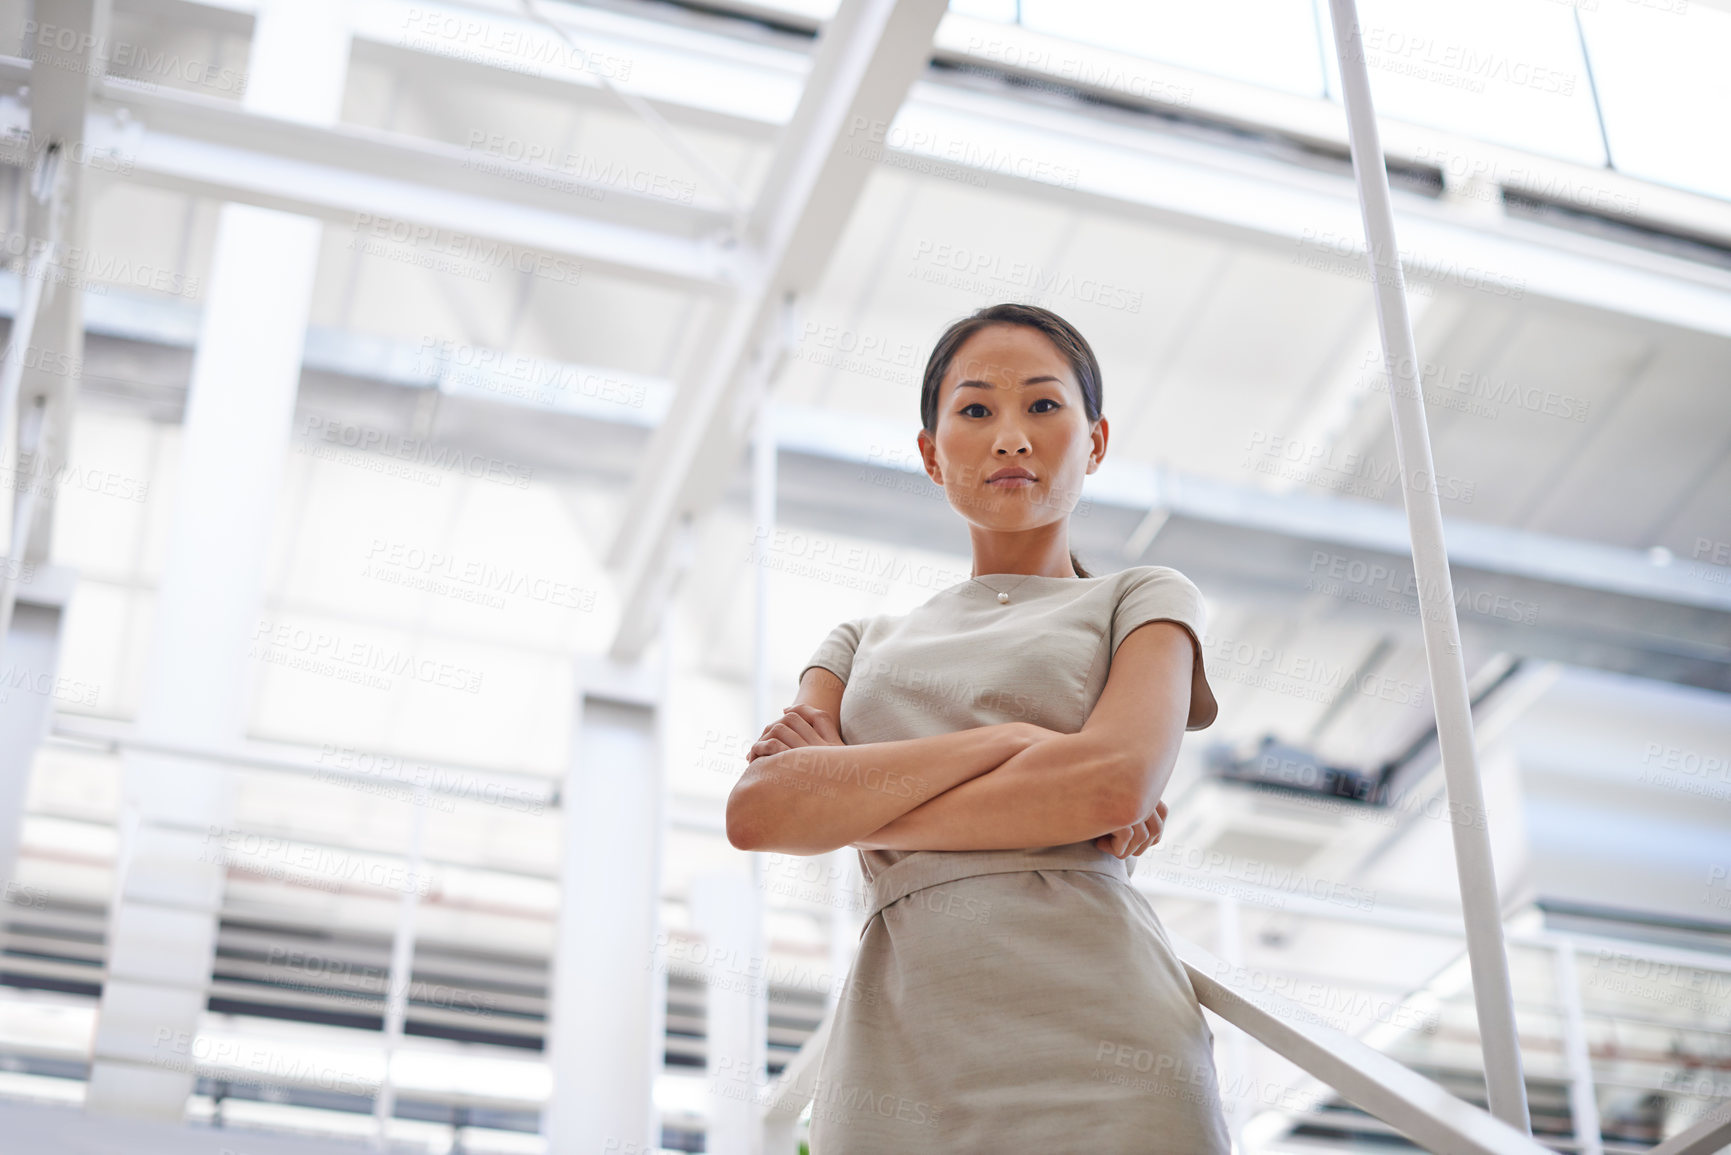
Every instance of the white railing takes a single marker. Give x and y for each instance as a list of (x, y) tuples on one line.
[(1369, 1079), (1365, 1077), (1704, 1138), (1384, 1088)]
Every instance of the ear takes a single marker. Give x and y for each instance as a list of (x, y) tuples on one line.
[(1101, 432), (929, 456)]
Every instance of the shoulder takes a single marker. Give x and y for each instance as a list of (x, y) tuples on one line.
[(1155, 578), (852, 632), (1147, 593)]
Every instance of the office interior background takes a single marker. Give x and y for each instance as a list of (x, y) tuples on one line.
[(437, 432)]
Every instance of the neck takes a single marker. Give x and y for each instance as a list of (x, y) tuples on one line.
[(1045, 556), (1039, 563)]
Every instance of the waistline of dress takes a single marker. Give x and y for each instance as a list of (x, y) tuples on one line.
[(928, 868)]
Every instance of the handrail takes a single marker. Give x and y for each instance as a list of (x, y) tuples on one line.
[(1709, 1135), (785, 1098), (1407, 1101)]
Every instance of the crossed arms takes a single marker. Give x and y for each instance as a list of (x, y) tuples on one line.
[(1004, 786)]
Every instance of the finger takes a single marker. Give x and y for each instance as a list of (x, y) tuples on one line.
[(766, 746), (790, 736), (809, 712), (1142, 837), (801, 727), (822, 721)]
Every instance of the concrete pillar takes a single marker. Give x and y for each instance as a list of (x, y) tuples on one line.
[(240, 407), (607, 1022), (727, 909)]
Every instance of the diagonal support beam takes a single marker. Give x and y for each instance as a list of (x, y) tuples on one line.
[(865, 63), (1493, 994)]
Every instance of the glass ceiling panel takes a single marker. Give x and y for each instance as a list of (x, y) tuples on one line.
[(1268, 42), (1665, 90), (1510, 72), (1505, 71)]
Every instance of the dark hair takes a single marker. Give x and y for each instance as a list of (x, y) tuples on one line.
[(1060, 332)]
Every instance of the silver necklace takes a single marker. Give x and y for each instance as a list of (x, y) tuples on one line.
[(1004, 595)]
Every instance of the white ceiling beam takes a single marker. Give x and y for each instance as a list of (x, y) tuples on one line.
[(354, 176), (362, 178), (842, 442), (866, 60), (492, 168)]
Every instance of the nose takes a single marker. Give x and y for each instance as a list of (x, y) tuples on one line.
[(1011, 439)]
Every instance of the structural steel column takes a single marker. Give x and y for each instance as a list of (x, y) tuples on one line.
[(61, 81), (606, 1023), (46, 332), (239, 415), (1480, 905)]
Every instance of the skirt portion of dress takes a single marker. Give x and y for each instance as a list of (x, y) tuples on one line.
[(1010, 1001)]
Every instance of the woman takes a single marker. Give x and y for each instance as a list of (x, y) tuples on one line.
[(997, 759)]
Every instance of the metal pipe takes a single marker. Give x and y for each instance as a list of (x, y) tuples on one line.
[(1583, 1104), (1493, 995), (402, 971), (759, 1136)]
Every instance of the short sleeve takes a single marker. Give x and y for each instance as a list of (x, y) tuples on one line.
[(1159, 593), (835, 653)]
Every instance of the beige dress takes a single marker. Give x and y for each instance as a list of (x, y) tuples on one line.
[(1011, 1000)]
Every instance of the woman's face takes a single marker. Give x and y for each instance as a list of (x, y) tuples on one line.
[(1010, 401)]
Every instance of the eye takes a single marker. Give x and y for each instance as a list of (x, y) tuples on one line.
[(1051, 400), (972, 405)]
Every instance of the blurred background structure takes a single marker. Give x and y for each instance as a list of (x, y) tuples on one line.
[(436, 433)]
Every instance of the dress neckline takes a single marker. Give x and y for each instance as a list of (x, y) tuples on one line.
[(974, 587)]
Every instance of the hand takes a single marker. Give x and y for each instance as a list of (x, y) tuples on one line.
[(1128, 840), (800, 725)]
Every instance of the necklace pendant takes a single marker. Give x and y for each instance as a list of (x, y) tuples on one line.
[(1003, 599)]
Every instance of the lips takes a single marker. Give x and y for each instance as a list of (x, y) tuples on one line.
[(1012, 473)]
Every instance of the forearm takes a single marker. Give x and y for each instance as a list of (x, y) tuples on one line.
[(814, 799), (1064, 789)]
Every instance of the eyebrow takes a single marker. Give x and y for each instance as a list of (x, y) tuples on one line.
[(1040, 380)]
